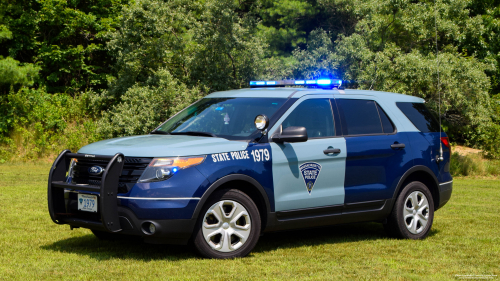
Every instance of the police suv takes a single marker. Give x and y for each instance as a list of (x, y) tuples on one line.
[(239, 163)]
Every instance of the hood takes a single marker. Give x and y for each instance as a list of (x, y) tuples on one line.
[(163, 146)]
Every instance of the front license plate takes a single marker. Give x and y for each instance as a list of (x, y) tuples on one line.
[(87, 203)]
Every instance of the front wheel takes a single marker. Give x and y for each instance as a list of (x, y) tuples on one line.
[(413, 212), (228, 226)]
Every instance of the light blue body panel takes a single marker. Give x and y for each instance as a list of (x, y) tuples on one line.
[(300, 92), (163, 146), (290, 191)]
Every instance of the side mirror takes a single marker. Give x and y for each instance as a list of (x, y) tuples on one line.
[(291, 134)]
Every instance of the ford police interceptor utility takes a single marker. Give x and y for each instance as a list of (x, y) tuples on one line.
[(239, 163)]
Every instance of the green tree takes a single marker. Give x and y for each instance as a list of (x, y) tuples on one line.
[(227, 54), (205, 44), (64, 38), (485, 45), (286, 23), (12, 72)]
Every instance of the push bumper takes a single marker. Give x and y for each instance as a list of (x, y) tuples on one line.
[(111, 217), (445, 190), (107, 192)]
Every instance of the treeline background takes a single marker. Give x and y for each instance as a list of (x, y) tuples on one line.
[(77, 71)]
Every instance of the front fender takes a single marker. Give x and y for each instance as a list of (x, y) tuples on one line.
[(226, 179)]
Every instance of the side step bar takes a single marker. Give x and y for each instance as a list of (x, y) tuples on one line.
[(107, 191)]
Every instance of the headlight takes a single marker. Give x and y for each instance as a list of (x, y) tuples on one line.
[(163, 168)]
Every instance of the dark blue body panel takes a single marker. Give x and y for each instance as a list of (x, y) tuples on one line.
[(194, 181), (425, 148), (175, 187), (262, 171), (161, 209), (373, 168)]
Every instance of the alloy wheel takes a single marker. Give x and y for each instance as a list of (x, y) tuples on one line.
[(416, 212), (226, 226)]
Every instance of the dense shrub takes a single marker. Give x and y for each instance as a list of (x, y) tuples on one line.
[(39, 124), (473, 165)]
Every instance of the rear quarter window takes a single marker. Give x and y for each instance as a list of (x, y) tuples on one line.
[(420, 116)]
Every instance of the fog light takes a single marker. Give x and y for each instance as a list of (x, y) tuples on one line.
[(152, 228), (148, 228)]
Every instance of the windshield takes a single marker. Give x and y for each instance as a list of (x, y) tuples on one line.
[(230, 118)]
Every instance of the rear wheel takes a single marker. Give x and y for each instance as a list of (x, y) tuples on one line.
[(413, 212), (228, 226)]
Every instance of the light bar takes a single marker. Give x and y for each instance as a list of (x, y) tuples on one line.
[(319, 83)]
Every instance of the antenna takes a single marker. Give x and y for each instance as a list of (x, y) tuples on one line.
[(440, 158)]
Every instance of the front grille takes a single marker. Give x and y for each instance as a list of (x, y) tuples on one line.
[(132, 171)]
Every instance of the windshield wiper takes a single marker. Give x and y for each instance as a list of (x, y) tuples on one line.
[(195, 133), (160, 133)]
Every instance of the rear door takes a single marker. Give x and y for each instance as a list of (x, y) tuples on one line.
[(377, 155), (304, 176)]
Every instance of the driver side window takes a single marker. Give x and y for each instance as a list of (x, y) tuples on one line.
[(315, 115)]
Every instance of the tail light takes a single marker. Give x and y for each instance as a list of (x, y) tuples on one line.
[(445, 141)]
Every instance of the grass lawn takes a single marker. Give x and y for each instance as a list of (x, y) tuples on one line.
[(464, 240)]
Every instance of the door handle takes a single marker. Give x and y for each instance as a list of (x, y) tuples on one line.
[(330, 151), (397, 145)]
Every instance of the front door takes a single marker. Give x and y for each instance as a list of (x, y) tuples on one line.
[(304, 174)]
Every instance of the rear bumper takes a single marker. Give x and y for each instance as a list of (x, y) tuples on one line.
[(445, 190)]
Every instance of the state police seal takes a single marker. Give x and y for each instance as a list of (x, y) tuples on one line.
[(310, 172)]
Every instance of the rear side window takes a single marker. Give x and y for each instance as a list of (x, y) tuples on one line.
[(363, 117), (420, 116)]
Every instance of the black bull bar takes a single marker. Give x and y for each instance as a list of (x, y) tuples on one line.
[(107, 197)]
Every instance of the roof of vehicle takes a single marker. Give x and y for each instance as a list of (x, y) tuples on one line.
[(286, 92)]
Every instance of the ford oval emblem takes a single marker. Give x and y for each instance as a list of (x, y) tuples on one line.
[(96, 170)]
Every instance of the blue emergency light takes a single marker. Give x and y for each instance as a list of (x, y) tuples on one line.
[(318, 83)]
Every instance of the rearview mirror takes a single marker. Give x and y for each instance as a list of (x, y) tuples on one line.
[(291, 134)]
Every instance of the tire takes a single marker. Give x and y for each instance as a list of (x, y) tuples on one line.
[(228, 226), (409, 220)]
